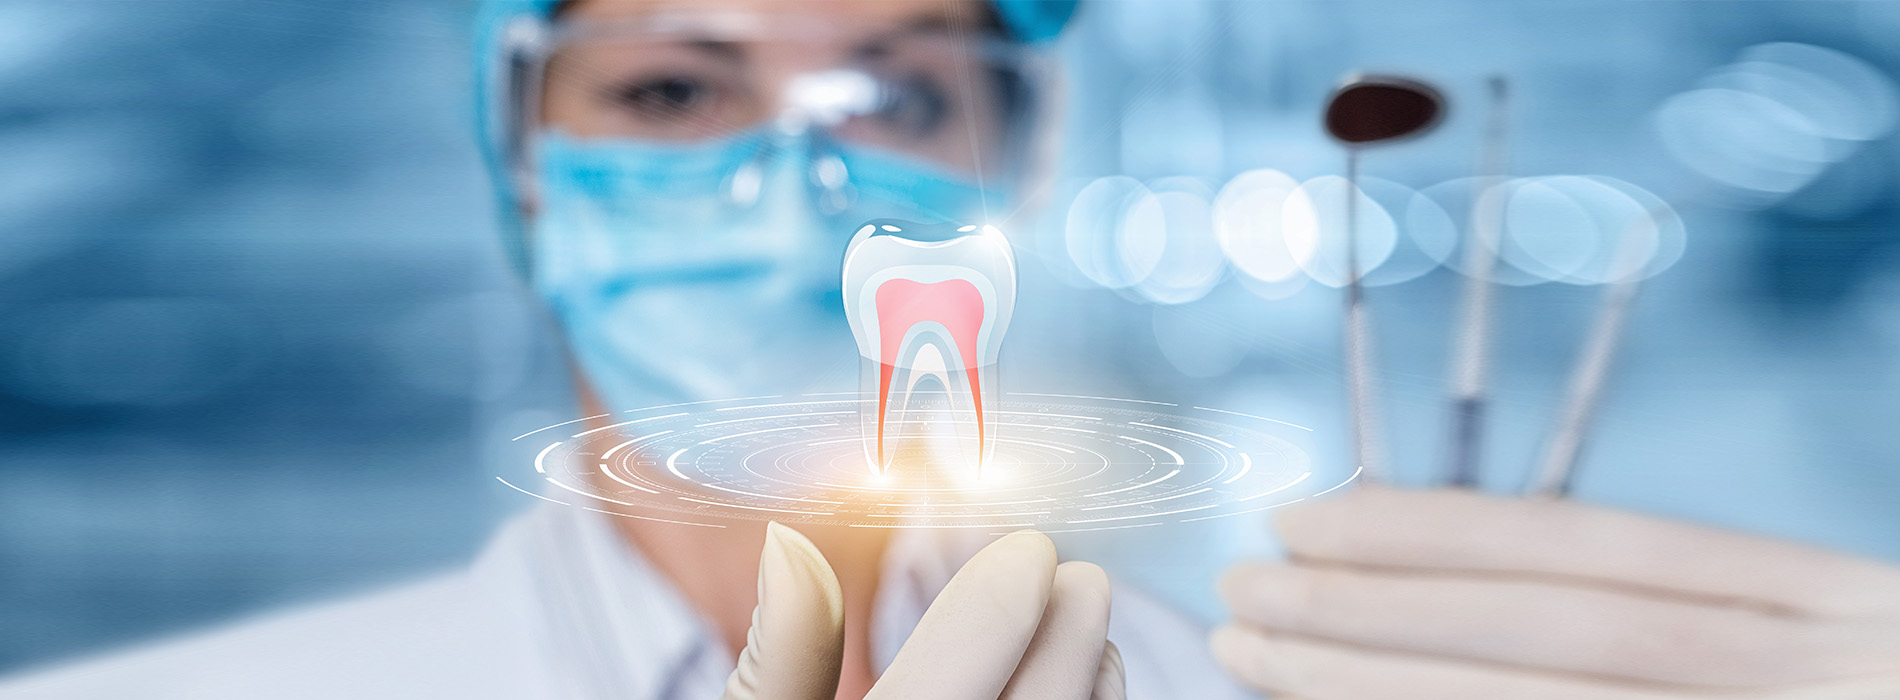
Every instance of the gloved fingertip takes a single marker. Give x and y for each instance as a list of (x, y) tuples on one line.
[(1228, 644), (788, 546), (1271, 596), (1022, 550), (974, 635), (795, 646), (1111, 678), (791, 563), (1029, 534), (1251, 657), (1085, 583), (1232, 584), (1314, 525)]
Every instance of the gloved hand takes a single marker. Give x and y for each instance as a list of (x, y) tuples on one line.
[(1010, 624), (1450, 594)]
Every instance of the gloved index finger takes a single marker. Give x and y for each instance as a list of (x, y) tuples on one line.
[(1463, 531), (795, 647), (972, 638)]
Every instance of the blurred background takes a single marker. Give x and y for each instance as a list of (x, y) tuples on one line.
[(259, 344)]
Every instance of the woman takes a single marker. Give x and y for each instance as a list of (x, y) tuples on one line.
[(679, 181)]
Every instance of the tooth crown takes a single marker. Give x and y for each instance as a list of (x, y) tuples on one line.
[(928, 301)]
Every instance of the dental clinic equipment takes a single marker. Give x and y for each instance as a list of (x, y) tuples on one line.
[(1370, 110), (1471, 352), (1367, 111), (1587, 377)]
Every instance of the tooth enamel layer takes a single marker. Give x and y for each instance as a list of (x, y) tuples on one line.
[(924, 303)]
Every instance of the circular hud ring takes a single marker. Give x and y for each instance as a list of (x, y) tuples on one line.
[(1062, 464)]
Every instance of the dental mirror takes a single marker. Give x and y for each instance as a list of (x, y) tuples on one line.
[(1374, 109), (1369, 110)]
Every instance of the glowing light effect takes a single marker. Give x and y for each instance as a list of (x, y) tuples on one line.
[(1063, 463)]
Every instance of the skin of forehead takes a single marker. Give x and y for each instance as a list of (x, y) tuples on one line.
[(569, 106), (870, 14), (851, 19)]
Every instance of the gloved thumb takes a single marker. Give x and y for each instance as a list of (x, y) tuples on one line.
[(971, 640), (796, 645)]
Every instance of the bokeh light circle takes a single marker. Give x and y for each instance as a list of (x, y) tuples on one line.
[(1551, 232), (1094, 230), (1418, 245), (1247, 224), (1843, 96), (1314, 221), (1189, 262), (1651, 218), (1774, 120), (1742, 139), (1574, 229)]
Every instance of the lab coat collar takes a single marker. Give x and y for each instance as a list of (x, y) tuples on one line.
[(603, 621)]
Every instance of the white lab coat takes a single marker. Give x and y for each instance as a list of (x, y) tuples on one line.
[(556, 607)]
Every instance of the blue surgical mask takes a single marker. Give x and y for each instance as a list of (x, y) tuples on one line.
[(711, 270)]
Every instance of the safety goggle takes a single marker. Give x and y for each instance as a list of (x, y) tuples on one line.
[(962, 101)]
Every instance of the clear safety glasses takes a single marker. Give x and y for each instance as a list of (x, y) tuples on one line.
[(961, 101)]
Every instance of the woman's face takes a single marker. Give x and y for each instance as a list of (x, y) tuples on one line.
[(690, 84)]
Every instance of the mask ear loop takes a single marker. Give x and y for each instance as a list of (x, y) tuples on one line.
[(524, 57), (1031, 146), (801, 130), (827, 173), (1034, 133)]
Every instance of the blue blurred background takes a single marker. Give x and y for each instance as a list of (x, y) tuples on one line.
[(258, 344)]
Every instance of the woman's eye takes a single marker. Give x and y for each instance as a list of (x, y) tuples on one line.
[(667, 96), (918, 107)]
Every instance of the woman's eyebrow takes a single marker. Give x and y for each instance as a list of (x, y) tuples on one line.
[(728, 51), (923, 26)]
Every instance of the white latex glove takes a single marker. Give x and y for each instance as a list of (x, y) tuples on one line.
[(1010, 624), (1450, 594)]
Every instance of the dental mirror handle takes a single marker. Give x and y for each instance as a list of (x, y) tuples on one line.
[(1368, 110), (1558, 468), (1471, 351), (1360, 394)]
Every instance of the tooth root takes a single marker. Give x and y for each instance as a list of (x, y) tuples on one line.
[(928, 302), (905, 403)]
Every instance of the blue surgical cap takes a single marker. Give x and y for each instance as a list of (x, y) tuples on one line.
[(1026, 21), (1034, 21)]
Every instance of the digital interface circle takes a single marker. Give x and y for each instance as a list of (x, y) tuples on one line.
[(1062, 463)]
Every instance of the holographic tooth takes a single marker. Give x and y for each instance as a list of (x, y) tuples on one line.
[(928, 300)]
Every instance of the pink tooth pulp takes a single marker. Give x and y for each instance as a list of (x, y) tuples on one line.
[(903, 303)]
